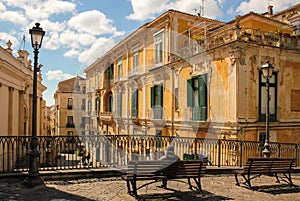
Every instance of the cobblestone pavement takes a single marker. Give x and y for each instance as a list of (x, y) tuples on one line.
[(219, 187)]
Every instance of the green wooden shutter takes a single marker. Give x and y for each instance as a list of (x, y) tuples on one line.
[(189, 93), (152, 96), (160, 95), (134, 102), (203, 96), (119, 109)]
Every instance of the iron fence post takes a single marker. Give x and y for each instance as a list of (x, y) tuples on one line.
[(297, 154), (241, 153), (195, 149), (219, 153)]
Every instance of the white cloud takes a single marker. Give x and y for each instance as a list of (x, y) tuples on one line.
[(148, 9), (58, 75), (261, 7), (76, 40), (19, 3), (72, 53), (230, 11), (44, 9), (100, 46), (222, 2), (5, 37), (58, 6), (14, 17), (52, 42), (93, 22), (2, 7)]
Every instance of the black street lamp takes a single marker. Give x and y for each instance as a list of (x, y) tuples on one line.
[(33, 178), (267, 71)]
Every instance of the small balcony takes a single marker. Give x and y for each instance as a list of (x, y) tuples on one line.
[(156, 112), (106, 116), (229, 34), (134, 113), (70, 125), (195, 114), (108, 83)]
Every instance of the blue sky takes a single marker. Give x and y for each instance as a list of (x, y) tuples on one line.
[(80, 31)]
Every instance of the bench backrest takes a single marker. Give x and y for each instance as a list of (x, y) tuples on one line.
[(186, 168), (269, 165), (146, 167)]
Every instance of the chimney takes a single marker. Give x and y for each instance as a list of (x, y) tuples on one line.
[(270, 10)]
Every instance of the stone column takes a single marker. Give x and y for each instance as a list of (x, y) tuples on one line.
[(21, 113), (10, 110)]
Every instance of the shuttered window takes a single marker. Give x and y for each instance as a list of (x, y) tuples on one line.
[(157, 101), (134, 103), (197, 97), (119, 104)]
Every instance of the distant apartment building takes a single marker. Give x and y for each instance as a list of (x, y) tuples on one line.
[(16, 85), (68, 113), (290, 15), (45, 115), (53, 124), (190, 76)]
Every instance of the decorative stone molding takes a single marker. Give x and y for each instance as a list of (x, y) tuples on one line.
[(238, 53), (8, 49)]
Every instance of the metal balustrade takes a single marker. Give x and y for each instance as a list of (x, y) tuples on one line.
[(70, 152)]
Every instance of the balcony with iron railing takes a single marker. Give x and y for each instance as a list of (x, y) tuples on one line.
[(195, 114), (134, 113), (243, 34), (108, 82), (70, 125), (136, 71), (106, 116), (157, 113)]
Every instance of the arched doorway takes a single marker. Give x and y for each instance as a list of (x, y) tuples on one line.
[(108, 102)]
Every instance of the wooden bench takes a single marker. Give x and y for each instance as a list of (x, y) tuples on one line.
[(162, 171), (143, 170), (255, 167), (186, 169)]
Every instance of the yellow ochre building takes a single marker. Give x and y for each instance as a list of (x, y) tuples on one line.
[(190, 76)]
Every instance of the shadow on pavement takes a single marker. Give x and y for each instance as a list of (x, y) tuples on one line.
[(17, 191), (182, 196), (278, 189)]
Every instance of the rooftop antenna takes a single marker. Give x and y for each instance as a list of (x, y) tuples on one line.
[(23, 42), (201, 10)]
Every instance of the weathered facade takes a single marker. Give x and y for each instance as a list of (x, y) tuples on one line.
[(16, 80), (184, 75), (69, 109)]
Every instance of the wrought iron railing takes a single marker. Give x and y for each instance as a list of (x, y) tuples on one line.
[(68, 152), (228, 34)]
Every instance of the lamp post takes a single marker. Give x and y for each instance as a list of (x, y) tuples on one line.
[(33, 178), (267, 71)]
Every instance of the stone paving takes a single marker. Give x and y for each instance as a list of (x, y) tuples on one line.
[(216, 187)]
